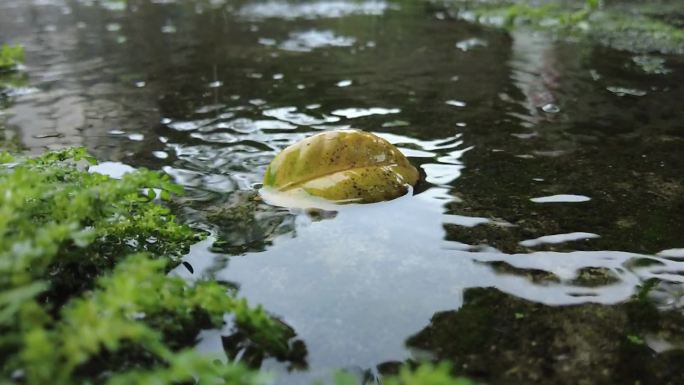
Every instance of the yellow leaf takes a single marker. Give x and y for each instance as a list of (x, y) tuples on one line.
[(342, 166)]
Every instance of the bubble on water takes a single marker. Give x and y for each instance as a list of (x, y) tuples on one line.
[(561, 198), (257, 102), (136, 137), (165, 121), (344, 83), (163, 139), (550, 108)]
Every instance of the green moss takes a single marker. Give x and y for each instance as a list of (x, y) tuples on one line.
[(10, 57), (75, 308), (634, 28)]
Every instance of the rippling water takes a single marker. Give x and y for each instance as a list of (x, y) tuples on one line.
[(552, 170)]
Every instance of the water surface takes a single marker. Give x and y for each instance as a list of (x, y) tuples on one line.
[(552, 175)]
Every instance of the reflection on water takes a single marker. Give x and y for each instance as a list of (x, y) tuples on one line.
[(552, 171)]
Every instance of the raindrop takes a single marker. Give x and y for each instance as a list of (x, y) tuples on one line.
[(113, 27), (136, 137), (215, 84), (140, 84), (344, 83)]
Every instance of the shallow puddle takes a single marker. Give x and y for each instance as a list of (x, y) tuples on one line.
[(545, 232)]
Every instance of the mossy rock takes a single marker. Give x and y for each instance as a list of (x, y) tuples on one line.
[(345, 166)]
